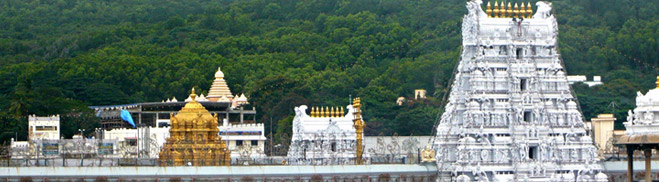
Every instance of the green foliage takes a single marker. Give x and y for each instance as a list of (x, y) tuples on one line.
[(59, 56)]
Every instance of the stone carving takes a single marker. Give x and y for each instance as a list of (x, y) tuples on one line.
[(544, 10)]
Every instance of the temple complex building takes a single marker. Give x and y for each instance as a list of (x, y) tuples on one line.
[(236, 109), (326, 135), (235, 122), (511, 114)]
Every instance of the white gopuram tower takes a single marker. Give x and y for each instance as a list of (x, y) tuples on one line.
[(511, 115)]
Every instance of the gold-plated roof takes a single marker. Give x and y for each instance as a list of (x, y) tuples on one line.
[(193, 138), (193, 110)]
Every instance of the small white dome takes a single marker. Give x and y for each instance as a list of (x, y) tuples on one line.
[(219, 73)]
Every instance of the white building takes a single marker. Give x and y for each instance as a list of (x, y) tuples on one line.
[(42, 132), (47, 128), (327, 136), (420, 94), (597, 80), (248, 139), (511, 115), (244, 139)]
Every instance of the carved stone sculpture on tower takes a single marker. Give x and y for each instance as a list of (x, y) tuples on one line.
[(510, 102)]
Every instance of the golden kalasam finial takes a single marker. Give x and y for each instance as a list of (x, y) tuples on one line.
[(488, 10), (193, 95), (322, 112), (313, 112), (327, 112), (342, 113), (657, 82), (509, 10), (332, 112), (529, 10), (496, 9), (503, 10), (516, 11)]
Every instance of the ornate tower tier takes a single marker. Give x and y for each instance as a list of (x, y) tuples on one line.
[(194, 138), (219, 90), (511, 115)]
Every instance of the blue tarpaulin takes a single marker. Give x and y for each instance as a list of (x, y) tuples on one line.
[(125, 115)]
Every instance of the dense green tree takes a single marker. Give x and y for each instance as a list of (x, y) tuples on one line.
[(56, 57)]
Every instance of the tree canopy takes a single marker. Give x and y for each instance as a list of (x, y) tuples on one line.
[(57, 57)]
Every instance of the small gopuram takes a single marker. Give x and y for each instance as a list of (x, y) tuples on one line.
[(193, 139), (510, 114), (328, 136), (642, 130)]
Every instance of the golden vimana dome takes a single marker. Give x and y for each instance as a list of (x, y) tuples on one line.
[(193, 138)]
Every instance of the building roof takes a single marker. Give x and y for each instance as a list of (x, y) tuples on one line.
[(649, 139)]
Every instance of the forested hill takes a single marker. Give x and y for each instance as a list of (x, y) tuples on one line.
[(58, 56)]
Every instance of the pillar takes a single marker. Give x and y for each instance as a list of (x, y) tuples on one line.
[(648, 167), (630, 163), (241, 117)]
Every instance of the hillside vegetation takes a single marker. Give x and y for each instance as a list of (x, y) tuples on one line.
[(59, 56)]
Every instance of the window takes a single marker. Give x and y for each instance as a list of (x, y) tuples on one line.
[(502, 50), (533, 151), (333, 147), (46, 128), (255, 142), (527, 116), (162, 124), (522, 84), (533, 51), (519, 53), (131, 142), (239, 142), (502, 69)]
